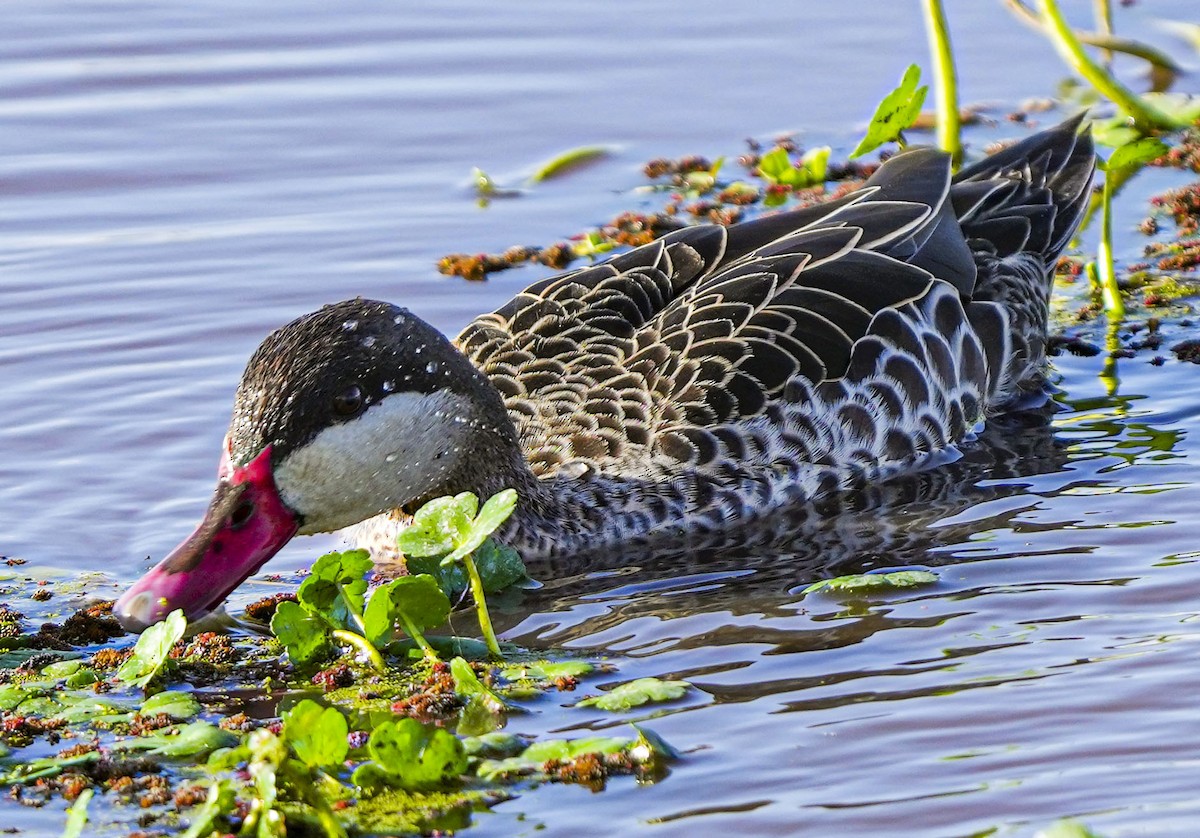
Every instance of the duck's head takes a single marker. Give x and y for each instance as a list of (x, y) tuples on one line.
[(350, 411)]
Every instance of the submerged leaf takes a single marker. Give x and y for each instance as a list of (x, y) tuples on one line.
[(636, 693), (896, 112), (153, 650), (862, 582), (178, 705)]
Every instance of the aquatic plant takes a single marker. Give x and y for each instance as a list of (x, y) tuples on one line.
[(949, 123), (451, 531), (636, 693), (1146, 117), (874, 580), (151, 655), (895, 113), (1124, 161)]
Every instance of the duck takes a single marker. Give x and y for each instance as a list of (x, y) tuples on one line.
[(708, 379)]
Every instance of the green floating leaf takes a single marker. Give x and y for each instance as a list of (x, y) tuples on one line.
[(1066, 828), (776, 167), (305, 635), (636, 693), (77, 816), (468, 686), (868, 582), (84, 677), (547, 670), (415, 601), (896, 113), (153, 649), (408, 754), (177, 705), (62, 669), (569, 160), (494, 745), (1136, 154), (336, 587), (192, 740), (317, 734), (11, 697), (536, 755)]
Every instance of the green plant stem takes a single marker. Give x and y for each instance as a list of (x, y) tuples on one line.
[(1114, 306), (485, 621), (363, 645), (949, 129), (357, 618), (1105, 41), (418, 638), (1146, 118)]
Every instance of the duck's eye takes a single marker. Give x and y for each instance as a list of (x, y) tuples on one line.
[(241, 514), (349, 402)]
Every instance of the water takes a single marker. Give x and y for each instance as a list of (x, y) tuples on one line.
[(178, 180)]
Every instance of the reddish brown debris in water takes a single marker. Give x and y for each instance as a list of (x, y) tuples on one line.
[(264, 609), (238, 723), (661, 167), (1188, 350), (556, 255), (592, 770), (1185, 154), (145, 724), (18, 731), (1069, 267), (434, 699), (86, 627), (41, 595), (1183, 205), (188, 796), (566, 683), (110, 658), (335, 677), (207, 647), (1180, 255)]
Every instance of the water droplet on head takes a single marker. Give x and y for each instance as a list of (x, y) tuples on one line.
[(350, 325), (389, 386), (390, 458), (431, 367), (398, 319), (368, 341)]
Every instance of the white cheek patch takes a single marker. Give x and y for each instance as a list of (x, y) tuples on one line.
[(398, 450)]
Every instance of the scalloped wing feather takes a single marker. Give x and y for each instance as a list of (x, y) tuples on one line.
[(864, 329)]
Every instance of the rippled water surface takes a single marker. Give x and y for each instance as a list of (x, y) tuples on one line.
[(178, 179)]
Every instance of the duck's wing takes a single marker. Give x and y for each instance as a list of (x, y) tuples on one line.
[(705, 327)]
